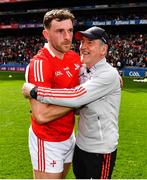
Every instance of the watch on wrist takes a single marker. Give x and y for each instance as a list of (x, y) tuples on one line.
[(33, 93)]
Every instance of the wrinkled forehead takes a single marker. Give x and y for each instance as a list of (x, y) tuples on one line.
[(65, 23), (88, 40)]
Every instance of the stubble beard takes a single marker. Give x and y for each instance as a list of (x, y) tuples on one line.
[(63, 48)]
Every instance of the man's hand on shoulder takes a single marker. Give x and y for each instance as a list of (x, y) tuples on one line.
[(26, 89)]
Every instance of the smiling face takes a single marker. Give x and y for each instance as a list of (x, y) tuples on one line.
[(59, 36), (92, 51)]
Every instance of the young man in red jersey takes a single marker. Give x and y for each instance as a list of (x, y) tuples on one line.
[(51, 138)]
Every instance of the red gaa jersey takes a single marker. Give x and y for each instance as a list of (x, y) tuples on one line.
[(47, 70)]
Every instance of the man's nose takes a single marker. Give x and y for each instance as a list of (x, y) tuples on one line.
[(83, 46), (67, 35)]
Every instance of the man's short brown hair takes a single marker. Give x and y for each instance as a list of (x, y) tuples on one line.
[(58, 14)]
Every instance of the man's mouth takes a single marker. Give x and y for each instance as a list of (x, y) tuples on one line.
[(85, 53)]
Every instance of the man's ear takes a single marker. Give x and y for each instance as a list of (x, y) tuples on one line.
[(45, 34), (104, 49)]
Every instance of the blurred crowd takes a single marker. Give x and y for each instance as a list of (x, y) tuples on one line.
[(19, 50), (120, 16), (35, 19), (124, 50), (128, 50)]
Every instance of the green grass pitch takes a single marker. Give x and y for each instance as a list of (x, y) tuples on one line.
[(14, 123)]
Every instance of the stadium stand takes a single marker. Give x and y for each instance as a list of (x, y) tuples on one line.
[(125, 23)]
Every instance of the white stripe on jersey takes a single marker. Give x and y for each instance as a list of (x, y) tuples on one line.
[(27, 74), (35, 78), (38, 73), (41, 73)]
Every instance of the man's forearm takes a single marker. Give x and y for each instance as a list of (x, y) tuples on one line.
[(44, 113)]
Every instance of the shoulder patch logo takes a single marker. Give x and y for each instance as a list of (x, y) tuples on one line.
[(58, 73), (77, 66)]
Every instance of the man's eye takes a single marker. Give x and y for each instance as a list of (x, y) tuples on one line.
[(71, 30), (89, 42), (60, 30)]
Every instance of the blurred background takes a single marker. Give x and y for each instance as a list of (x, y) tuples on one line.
[(21, 37), (21, 28)]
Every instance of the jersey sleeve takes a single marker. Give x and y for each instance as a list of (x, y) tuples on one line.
[(39, 72), (94, 89)]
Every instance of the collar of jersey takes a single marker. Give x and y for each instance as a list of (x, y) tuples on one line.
[(46, 45)]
